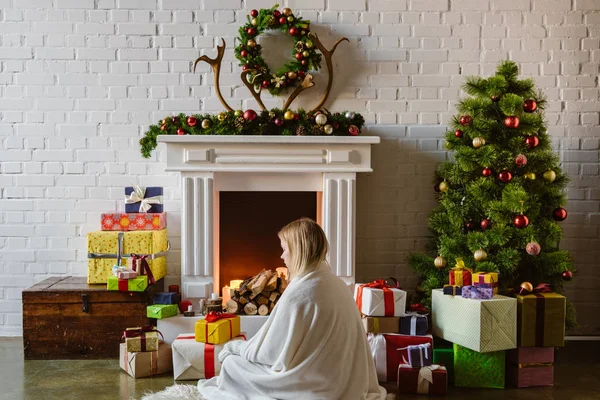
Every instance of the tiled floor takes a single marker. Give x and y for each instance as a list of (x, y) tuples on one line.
[(577, 377)]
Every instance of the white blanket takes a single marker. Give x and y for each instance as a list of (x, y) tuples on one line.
[(313, 346)]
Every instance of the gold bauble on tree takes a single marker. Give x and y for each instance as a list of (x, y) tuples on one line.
[(444, 186), (550, 176), (478, 142), (529, 175), (480, 255), (440, 262), (288, 115)]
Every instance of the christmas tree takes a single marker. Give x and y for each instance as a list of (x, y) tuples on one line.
[(501, 199)]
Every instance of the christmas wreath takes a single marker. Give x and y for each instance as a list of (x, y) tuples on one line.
[(248, 52)]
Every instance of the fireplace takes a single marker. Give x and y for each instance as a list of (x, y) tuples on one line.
[(238, 191)]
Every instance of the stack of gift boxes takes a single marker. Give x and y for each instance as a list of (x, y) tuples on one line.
[(482, 339), (144, 354), (490, 340), (400, 341)]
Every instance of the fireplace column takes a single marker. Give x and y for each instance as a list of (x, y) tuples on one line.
[(197, 235), (339, 199)]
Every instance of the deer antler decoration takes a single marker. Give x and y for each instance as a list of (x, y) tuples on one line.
[(250, 86), (215, 63), (327, 54), (307, 83)]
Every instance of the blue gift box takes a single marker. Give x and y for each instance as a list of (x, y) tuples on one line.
[(149, 192), (167, 298), (414, 325)]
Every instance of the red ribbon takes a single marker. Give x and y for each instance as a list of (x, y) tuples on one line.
[(123, 285), (209, 360), (388, 295), (144, 267), (418, 307)]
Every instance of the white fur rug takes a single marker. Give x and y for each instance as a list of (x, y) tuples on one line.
[(190, 392)]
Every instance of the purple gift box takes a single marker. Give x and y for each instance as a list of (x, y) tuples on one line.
[(143, 200), (418, 355), (414, 324), (477, 292)]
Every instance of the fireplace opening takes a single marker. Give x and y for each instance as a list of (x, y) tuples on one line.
[(247, 230)]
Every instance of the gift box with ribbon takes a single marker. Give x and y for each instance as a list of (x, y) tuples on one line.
[(138, 284), (460, 275), (143, 200), (414, 324), (541, 318), (162, 311), (452, 290), (107, 249), (167, 298), (488, 280), (431, 380), (478, 370), (395, 351), (482, 325), (122, 272), (379, 299), (419, 355), (530, 366), (141, 339), (134, 221), (194, 360), (476, 292), (217, 328), (381, 324), (148, 363)]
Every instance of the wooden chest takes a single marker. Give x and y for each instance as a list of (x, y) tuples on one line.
[(65, 318)]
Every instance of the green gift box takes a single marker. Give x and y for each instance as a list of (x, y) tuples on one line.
[(478, 370), (445, 357), (161, 311), (138, 284)]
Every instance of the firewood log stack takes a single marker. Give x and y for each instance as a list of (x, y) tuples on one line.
[(258, 294)]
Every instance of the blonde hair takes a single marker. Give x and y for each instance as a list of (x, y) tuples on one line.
[(307, 245)]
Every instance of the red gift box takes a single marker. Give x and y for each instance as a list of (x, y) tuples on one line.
[(531, 366), (395, 357), (432, 380), (134, 221)]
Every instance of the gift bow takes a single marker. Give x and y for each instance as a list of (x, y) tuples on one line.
[(137, 196), (426, 378), (460, 264), (144, 267), (418, 307), (215, 316), (541, 288), (139, 331), (388, 296)]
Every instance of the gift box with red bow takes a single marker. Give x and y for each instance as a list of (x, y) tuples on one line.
[(396, 351), (541, 317), (148, 363), (217, 328), (379, 299), (141, 339)]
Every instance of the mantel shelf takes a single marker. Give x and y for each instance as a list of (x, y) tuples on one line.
[(250, 139)]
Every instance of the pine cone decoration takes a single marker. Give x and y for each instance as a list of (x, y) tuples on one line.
[(239, 123), (317, 130), (301, 130)]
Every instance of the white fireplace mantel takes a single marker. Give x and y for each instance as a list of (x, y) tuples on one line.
[(209, 164)]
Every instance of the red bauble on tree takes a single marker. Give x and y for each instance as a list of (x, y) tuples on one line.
[(485, 223), (470, 225), (249, 115), (505, 176), (495, 98), (458, 133), (465, 120), (530, 106), (567, 275), (486, 172), (192, 121), (520, 160), (521, 221), (532, 141), (512, 122), (559, 214)]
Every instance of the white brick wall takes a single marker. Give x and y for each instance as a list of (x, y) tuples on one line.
[(80, 80)]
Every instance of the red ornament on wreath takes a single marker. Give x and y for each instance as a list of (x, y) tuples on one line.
[(353, 130), (254, 13), (458, 133), (505, 176), (278, 121), (532, 141), (486, 172), (191, 121), (485, 224), (277, 13), (512, 122), (244, 53), (180, 131), (520, 160), (521, 221), (465, 120), (559, 214), (163, 128), (567, 275), (249, 115), (529, 106)]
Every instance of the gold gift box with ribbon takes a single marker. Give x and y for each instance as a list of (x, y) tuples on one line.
[(217, 332), (541, 320), (109, 248), (486, 280)]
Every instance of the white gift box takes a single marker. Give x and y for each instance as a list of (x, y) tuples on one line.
[(195, 360), (373, 301), (480, 325)]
